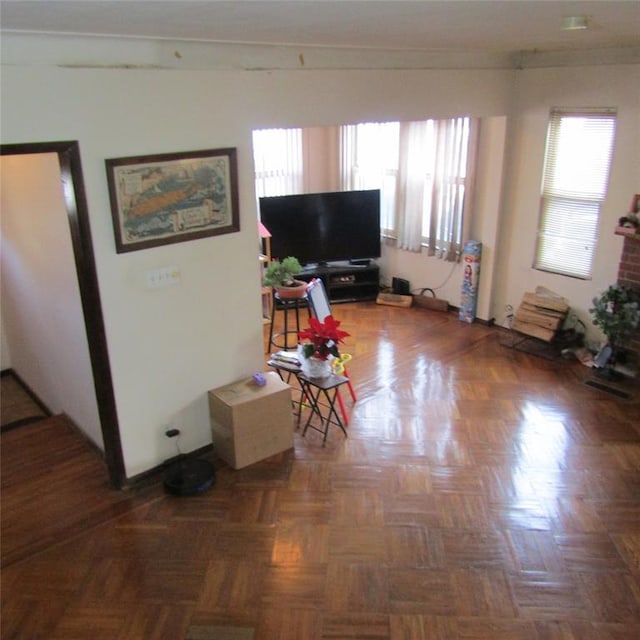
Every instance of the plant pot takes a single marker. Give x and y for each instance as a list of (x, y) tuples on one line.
[(316, 368), (297, 290)]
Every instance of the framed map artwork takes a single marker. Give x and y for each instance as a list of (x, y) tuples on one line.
[(173, 197)]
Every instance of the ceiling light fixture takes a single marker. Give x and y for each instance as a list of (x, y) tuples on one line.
[(573, 23)]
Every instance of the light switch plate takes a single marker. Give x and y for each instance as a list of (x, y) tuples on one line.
[(163, 277)]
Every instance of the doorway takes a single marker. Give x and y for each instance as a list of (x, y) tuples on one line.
[(68, 154)]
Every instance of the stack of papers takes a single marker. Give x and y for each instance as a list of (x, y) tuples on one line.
[(286, 357)]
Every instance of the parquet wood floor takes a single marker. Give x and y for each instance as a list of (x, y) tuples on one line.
[(481, 493), (17, 407)]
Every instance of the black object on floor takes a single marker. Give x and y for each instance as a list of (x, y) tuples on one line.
[(189, 477), (609, 387)]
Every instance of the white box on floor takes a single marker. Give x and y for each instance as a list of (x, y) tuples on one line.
[(250, 422)]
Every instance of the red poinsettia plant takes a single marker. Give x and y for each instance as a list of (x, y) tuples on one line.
[(321, 339)]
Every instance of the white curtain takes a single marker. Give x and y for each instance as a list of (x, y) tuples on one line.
[(369, 160), (278, 161), (414, 151), (348, 157), (453, 177), (425, 171), (369, 152)]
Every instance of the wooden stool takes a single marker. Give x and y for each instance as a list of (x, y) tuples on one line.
[(289, 335)]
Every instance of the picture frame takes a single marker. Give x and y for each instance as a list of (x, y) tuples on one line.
[(173, 197)]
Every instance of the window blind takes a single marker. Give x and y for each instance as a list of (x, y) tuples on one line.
[(574, 185)]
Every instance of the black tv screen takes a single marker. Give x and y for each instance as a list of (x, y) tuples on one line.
[(324, 227)]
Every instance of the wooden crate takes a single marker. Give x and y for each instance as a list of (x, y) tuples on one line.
[(546, 301), (533, 330), (543, 318), (541, 314)]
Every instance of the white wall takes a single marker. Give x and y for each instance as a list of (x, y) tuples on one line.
[(321, 153), (169, 346), (536, 91), (42, 316)]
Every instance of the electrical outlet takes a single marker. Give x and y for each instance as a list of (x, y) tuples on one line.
[(163, 276)]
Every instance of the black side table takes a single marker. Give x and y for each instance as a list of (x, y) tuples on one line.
[(320, 394)]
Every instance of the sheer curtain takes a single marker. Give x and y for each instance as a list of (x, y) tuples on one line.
[(369, 158), (425, 171), (448, 214), (416, 158), (278, 161)]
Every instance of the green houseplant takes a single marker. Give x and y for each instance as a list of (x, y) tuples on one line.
[(617, 313), (280, 274)]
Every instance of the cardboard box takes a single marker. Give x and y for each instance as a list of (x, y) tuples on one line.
[(249, 422)]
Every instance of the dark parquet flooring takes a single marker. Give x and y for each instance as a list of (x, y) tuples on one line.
[(482, 493), (17, 406)]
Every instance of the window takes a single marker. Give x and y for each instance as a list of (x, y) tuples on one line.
[(423, 169), (369, 160), (574, 184), (424, 172), (278, 161)]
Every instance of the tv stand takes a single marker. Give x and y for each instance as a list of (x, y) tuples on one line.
[(346, 282), (360, 263)]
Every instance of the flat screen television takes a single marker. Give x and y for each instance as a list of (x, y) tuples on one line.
[(318, 228)]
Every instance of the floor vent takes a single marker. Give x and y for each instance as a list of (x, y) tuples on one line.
[(607, 388), (205, 632)]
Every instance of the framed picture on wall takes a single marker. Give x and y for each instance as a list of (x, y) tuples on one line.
[(173, 197)]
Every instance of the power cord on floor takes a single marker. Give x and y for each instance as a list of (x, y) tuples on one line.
[(422, 289)]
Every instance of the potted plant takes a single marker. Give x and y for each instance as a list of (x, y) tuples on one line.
[(319, 345), (629, 221), (280, 274), (617, 313)]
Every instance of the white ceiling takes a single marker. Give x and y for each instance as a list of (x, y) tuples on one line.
[(423, 25)]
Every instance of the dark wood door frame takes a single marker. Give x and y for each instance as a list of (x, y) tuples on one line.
[(68, 153)]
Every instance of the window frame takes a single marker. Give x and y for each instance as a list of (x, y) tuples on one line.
[(567, 203)]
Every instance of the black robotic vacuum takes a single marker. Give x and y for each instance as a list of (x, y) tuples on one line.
[(189, 477)]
